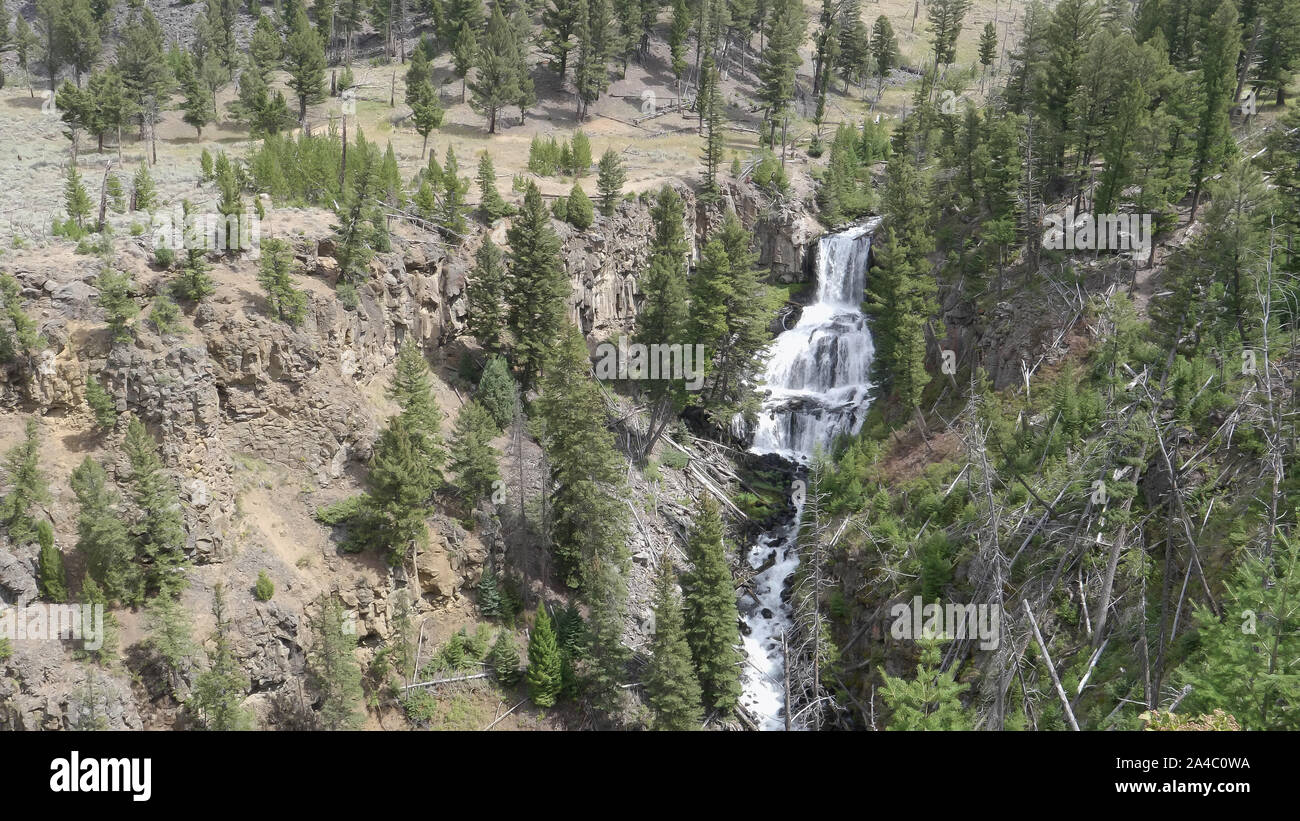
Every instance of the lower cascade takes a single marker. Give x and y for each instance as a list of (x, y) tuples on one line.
[(816, 388)]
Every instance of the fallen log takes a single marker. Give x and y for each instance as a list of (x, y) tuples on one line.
[(445, 680)]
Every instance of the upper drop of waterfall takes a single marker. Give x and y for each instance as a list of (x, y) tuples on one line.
[(817, 378)]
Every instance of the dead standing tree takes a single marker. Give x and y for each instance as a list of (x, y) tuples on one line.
[(808, 703)]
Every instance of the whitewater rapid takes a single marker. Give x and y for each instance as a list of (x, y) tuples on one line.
[(816, 388)]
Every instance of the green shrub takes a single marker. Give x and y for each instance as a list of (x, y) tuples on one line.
[(579, 211), (101, 404), (265, 587), (342, 511), (165, 315), (347, 294), (674, 458)]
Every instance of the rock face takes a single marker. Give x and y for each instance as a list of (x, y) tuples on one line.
[(786, 237), (451, 563)]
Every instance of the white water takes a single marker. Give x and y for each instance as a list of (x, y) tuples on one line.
[(816, 389)]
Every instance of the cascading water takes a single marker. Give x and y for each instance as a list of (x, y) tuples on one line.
[(817, 388)]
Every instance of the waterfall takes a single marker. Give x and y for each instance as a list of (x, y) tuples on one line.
[(817, 372), (816, 388)]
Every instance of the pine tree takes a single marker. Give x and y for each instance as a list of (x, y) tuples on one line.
[(591, 74), (588, 519), (988, 48), (117, 302), (275, 275), (496, 83), (486, 296), (143, 192), (113, 108), (854, 58), (30, 489), (671, 686), (559, 21), (884, 51), (1218, 60), (24, 327), (457, 13), (609, 181), (729, 318), (581, 149), (1238, 664), (452, 206), (606, 592), (497, 392), (503, 659), (711, 617), (265, 50), (473, 459), (102, 535), (663, 317), (50, 26), (197, 104), (158, 532), (194, 282), (75, 201), (776, 73), (333, 669), (578, 211), (711, 115), (931, 701), (543, 674), (230, 206), (490, 203), (901, 292), (219, 690), (102, 404), (53, 578), (76, 109), (537, 287), (304, 60), (571, 636), (426, 201), (490, 603), (171, 637), (24, 41), (108, 653), (356, 234), (681, 25), (398, 489), (464, 55), (1279, 46), (945, 25), (115, 194), (412, 389), (426, 111)]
